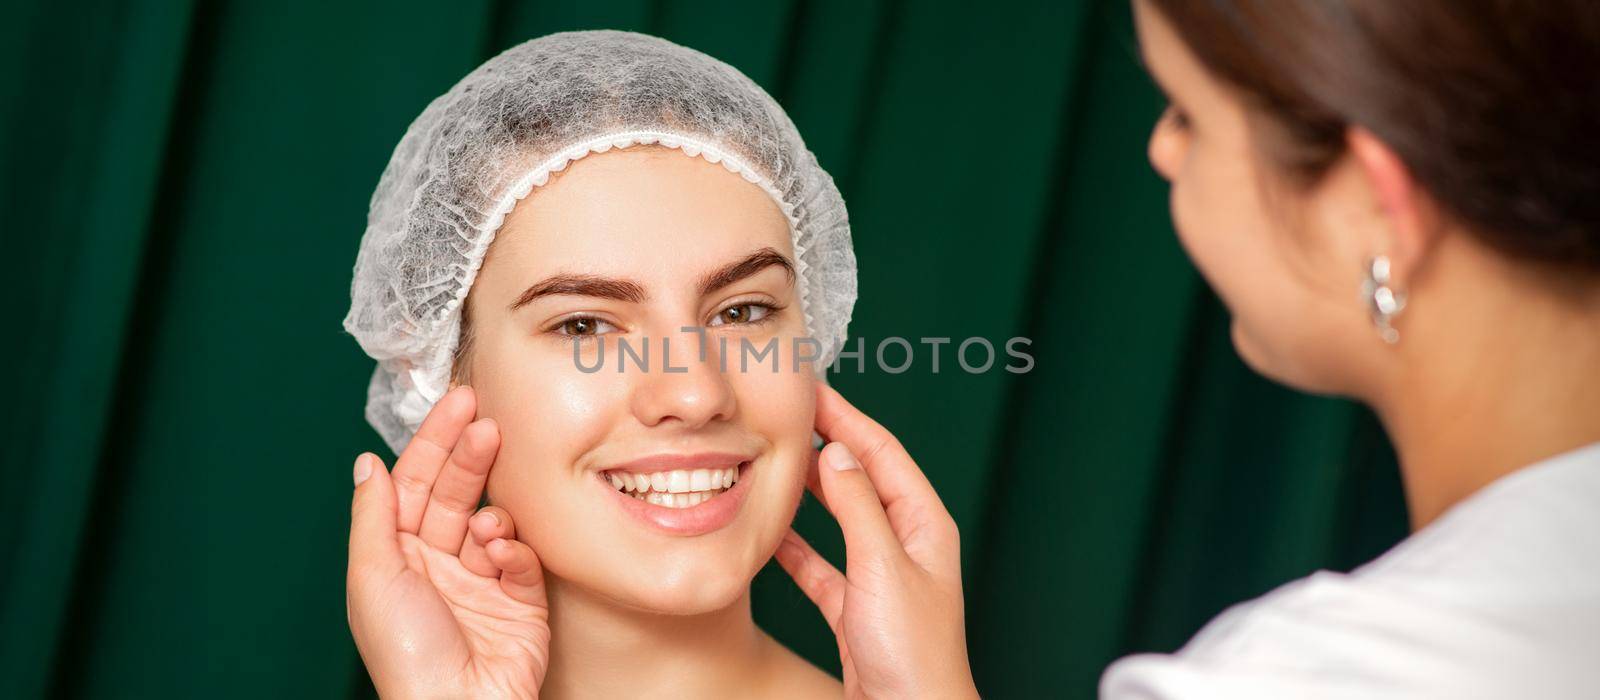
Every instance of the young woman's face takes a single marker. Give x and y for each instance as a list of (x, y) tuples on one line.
[(1294, 294), (651, 247)]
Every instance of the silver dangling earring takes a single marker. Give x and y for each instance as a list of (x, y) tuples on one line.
[(1382, 300)]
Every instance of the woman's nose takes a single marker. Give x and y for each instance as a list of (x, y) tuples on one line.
[(1165, 147), (681, 384)]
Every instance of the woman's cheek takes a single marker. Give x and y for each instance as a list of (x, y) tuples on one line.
[(1218, 216), (549, 416), (1189, 220), (780, 407)]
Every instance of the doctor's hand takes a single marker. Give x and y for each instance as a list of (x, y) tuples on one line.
[(897, 610), (443, 601)]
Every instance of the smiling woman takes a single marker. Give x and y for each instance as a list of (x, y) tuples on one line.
[(684, 220), (579, 188)]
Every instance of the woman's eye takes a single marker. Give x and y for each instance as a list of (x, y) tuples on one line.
[(1177, 118), (741, 313), (584, 326)]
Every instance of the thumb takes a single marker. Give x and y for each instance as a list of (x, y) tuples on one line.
[(521, 576), (855, 504), (374, 537)]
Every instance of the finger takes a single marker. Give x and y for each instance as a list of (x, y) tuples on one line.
[(497, 525), (814, 481), (481, 529), (916, 513), (423, 458), (819, 579), (455, 495), (374, 541), (856, 505), (521, 576), (894, 474)]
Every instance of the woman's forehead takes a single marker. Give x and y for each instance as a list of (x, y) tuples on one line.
[(651, 214)]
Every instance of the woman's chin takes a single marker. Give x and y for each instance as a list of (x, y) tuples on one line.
[(687, 595), (1249, 351), (1292, 368)]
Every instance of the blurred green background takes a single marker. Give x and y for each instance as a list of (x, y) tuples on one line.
[(184, 187)]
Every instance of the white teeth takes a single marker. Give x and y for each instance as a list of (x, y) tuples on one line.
[(679, 488), (676, 500), (678, 481)]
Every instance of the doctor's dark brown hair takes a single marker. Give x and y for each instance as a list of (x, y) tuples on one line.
[(1493, 105)]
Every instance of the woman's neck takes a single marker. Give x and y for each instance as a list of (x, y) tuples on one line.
[(1489, 382), (602, 649)]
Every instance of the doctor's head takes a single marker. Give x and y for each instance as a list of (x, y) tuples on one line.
[(624, 247), (1371, 185)]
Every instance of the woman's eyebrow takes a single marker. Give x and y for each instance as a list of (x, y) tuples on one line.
[(633, 292), (744, 267), (584, 285)]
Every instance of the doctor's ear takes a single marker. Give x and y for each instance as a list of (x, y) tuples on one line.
[(1409, 219)]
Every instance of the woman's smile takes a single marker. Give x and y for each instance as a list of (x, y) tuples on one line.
[(681, 494)]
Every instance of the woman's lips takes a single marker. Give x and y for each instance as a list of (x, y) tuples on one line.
[(683, 495)]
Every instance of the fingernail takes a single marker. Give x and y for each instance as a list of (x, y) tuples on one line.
[(363, 468), (494, 520), (840, 459)]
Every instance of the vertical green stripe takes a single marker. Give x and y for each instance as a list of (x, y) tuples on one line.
[(107, 196), (1070, 506)]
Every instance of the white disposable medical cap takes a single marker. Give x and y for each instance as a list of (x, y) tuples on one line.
[(500, 132)]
